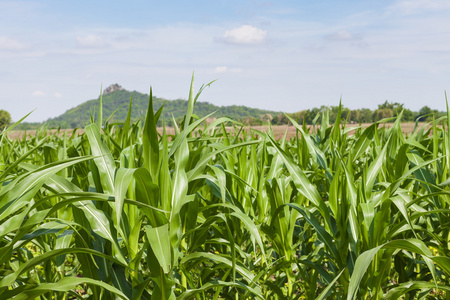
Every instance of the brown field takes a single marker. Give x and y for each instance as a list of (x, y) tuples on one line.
[(279, 131)]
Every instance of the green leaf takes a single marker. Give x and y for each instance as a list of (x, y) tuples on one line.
[(363, 142), (398, 291), (374, 170), (365, 259), (65, 284), (10, 278), (327, 290), (149, 194), (159, 240), (219, 259), (189, 294), (150, 141), (101, 225), (103, 158), (20, 191), (123, 180), (302, 183)]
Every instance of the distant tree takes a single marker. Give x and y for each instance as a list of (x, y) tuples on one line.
[(423, 112), (408, 115), (365, 116), (345, 113), (312, 114), (387, 110), (334, 110), (382, 114), (5, 119), (275, 120), (299, 116), (282, 119), (252, 121)]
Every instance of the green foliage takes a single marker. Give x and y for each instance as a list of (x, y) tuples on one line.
[(123, 212), (115, 109), (5, 119), (358, 116), (79, 116)]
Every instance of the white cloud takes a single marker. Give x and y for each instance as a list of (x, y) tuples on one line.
[(224, 69), (416, 6), (245, 35), (221, 69), (57, 95), (91, 41), (7, 43), (38, 94)]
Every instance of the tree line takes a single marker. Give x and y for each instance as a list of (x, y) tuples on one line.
[(363, 115), (250, 116)]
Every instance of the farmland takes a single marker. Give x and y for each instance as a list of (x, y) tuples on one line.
[(208, 213), (279, 131)]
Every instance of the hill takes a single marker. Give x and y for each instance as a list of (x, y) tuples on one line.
[(116, 100), (115, 97)]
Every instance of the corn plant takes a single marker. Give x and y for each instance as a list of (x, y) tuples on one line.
[(219, 211)]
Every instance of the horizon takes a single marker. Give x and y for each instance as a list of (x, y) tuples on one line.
[(281, 56), (185, 99)]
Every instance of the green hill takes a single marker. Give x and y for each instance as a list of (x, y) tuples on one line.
[(116, 98), (79, 116)]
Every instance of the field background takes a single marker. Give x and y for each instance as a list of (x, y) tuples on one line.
[(278, 130)]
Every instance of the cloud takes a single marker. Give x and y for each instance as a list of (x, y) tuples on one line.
[(38, 94), (224, 69), (408, 7), (7, 43), (57, 95), (245, 35), (91, 41), (221, 69)]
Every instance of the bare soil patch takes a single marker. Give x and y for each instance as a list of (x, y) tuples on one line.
[(291, 131), (20, 134), (278, 131)]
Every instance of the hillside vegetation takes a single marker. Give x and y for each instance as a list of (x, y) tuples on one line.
[(80, 116), (116, 105)]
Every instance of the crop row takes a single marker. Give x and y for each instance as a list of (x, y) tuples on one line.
[(122, 211)]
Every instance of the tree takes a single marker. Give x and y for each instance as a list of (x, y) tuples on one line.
[(363, 115), (383, 113), (424, 113), (408, 115), (5, 119), (387, 110)]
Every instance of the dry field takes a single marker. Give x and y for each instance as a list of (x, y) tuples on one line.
[(279, 131), (290, 131)]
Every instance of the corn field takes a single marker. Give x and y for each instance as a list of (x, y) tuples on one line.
[(123, 212)]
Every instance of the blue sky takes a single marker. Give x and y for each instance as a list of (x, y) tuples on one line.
[(278, 55)]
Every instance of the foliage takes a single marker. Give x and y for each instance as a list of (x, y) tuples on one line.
[(115, 104), (5, 119), (122, 211), (384, 111)]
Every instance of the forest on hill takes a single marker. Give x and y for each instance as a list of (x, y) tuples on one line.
[(116, 105)]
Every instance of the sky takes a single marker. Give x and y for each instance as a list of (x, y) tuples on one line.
[(285, 55)]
